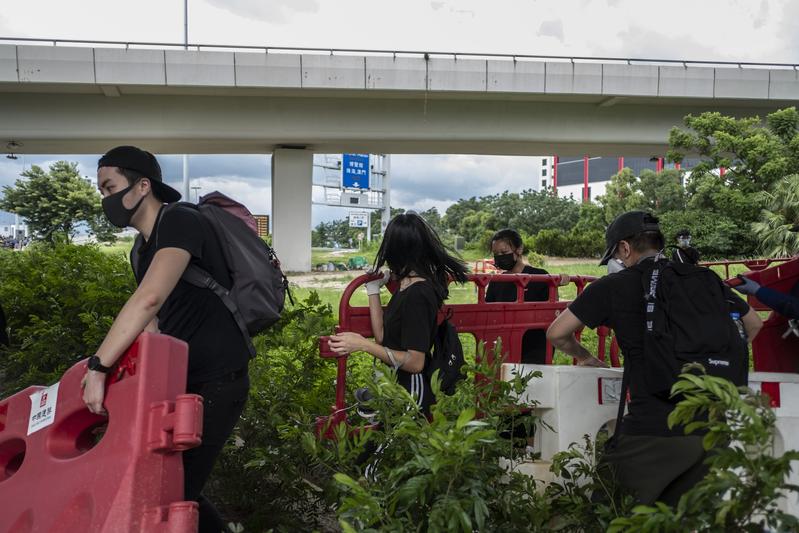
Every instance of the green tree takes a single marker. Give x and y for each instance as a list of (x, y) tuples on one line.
[(55, 202), (776, 230), (657, 192), (756, 155)]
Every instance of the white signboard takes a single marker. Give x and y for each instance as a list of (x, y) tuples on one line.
[(359, 220), (43, 404)]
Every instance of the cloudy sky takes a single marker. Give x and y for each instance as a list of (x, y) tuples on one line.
[(739, 30)]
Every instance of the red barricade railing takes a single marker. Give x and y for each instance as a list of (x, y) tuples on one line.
[(486, 321), (77, 471), (772, 349), (753, 265)]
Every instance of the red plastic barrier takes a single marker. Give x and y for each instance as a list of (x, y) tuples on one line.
[(772, 350), (753, 265), (60, 479), (486, 321)]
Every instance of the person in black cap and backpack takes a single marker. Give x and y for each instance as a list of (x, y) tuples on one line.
[(134, 194), (647, 458)]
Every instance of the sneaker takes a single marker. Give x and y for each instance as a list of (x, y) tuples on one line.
[(362, 396)]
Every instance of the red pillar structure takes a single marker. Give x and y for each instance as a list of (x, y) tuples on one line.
[(659, 166), (555, 174), (677, 166), (585, 178), (722, 171), (621, 164)]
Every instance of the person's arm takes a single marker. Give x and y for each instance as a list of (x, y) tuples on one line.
[(347, 342), (376, 317), (784, 304), (752, 324), (376, 306), (561, 335), (140, 309)]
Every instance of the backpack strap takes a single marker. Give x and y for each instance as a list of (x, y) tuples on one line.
[(625, 384), (198, 277)]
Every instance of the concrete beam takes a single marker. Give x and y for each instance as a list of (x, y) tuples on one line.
[(193, 68), (516, 76), (784, 84), (130, 66), (81, 123), (292, 189), (686, 82), (741, 83), (396, 73), (333, 72), (444, 74), (8, 63), (55, 64), (268, 70)]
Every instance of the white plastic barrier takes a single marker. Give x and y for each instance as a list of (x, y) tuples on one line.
[(784, 392), (573, 401), (576, 401)]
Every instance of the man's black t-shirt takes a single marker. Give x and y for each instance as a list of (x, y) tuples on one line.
[(534, 342), (409, 323), (196, 315), (617, 301)]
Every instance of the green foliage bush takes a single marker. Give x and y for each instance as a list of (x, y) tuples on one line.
[(59, 301), (745, 482), (446, 474), (264, 478)]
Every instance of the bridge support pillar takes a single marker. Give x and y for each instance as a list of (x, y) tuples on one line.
[(292, 187)]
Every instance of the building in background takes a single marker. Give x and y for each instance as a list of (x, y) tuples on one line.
[(11, 227), (585, 178)]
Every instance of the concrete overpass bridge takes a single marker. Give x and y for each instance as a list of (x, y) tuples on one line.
[(83, 97)]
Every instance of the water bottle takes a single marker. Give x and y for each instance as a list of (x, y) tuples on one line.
[(736, 317)]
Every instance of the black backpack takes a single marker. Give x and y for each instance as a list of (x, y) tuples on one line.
[(259, 287), (447, 357), (688, 320)]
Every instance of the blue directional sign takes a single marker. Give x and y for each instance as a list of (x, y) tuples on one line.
[(355, 171)]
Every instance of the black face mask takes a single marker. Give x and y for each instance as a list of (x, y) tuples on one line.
[(504, 261), (116, 213)]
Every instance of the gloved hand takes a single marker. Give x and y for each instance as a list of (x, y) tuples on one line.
[(748, 286), (373, 287)]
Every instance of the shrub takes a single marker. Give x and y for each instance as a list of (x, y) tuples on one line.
[(446, 474), (263, 478), (59, 301)]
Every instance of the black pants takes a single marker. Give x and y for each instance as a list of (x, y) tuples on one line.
[(223, 403), (655, 468)]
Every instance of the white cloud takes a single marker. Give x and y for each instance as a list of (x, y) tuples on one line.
[(278, 11), (551, 28)]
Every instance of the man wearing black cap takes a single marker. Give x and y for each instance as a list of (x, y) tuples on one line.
[(650, 460), (134, 194)]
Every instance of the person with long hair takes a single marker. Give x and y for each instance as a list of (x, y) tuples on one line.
[(404, 331)]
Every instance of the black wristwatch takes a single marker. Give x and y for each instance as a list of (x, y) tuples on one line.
[(95, 364)]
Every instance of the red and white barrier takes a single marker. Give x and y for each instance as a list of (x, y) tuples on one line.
[(64, 469)]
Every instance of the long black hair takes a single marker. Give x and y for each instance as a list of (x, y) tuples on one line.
[(411, 245)]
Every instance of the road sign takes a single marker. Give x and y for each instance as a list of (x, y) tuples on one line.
[(355, 171), (263, 225), (359, 219)]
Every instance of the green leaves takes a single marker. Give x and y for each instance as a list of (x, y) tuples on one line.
[(55, 202)]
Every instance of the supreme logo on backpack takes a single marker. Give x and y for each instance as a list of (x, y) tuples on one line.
[(447, 357), (688, 321), (259, 288)]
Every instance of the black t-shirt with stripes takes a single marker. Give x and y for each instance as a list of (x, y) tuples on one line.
[(409, 323)]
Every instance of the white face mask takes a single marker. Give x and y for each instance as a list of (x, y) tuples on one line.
[(615, 265)]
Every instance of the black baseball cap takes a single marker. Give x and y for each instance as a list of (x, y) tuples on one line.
[(144, 163), (625, 226)]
